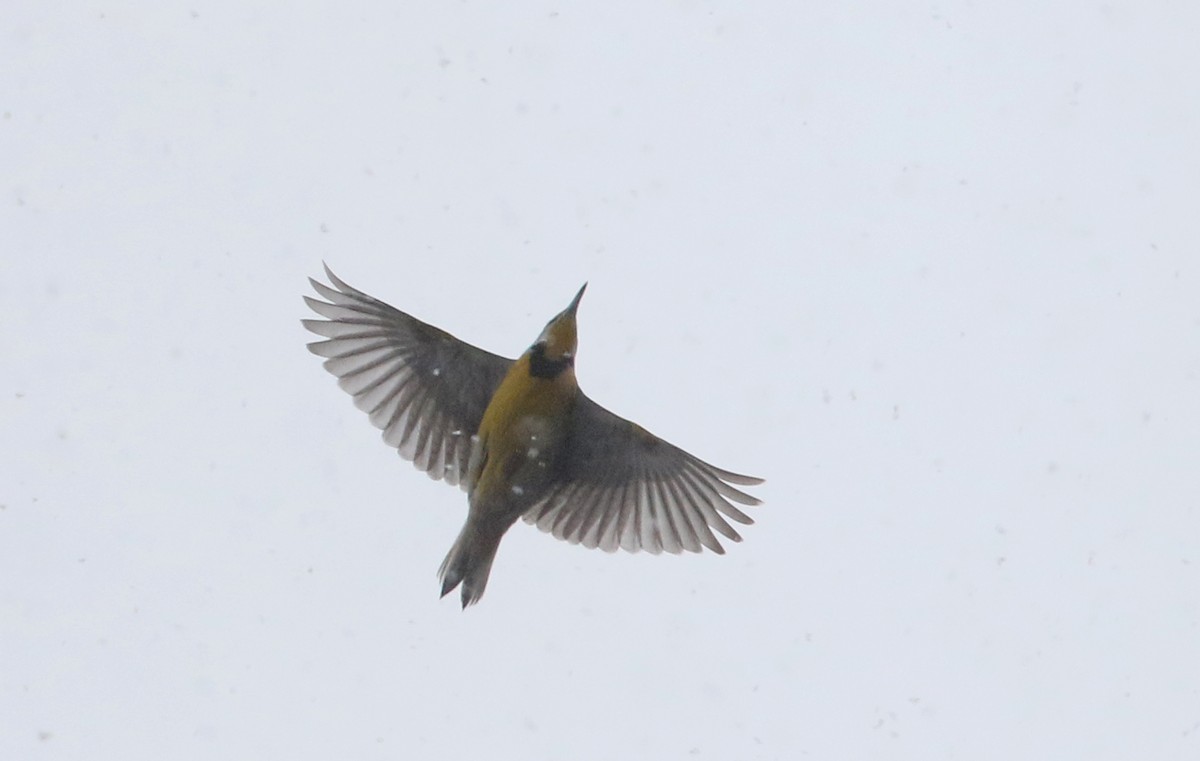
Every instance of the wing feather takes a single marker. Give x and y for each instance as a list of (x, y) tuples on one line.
[(422, 387), (573, 522), (666, 520), (709, 514), (619, 486), (610, 522)]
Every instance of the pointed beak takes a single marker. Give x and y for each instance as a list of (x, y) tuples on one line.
[(575, 301)]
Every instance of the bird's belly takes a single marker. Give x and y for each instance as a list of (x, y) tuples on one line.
[(519, 466), (535, 445)]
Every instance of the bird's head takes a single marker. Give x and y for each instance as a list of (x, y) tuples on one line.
[(557, 343)]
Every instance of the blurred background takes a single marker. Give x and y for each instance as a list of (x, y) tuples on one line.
[(931, 269)]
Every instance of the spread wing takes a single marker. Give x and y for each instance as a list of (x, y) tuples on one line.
[(622, 486), (425, 389)]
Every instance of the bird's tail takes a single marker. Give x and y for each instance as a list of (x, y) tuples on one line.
[(469, 562)]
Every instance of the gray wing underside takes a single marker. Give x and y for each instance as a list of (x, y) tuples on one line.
[(622, 487), (423, 388)]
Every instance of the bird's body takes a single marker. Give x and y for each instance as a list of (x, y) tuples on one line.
[(520, 437), (514, 460)]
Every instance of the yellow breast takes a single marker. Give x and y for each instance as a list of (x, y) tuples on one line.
[(521, 431)]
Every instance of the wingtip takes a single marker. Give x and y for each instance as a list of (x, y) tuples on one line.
[(337, 281), (741, 479)]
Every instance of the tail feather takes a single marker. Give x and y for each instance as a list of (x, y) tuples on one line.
[(468, 563)]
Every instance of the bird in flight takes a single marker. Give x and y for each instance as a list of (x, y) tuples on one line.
[(519, 437)]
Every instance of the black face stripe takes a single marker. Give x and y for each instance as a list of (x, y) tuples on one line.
[(542, 367)]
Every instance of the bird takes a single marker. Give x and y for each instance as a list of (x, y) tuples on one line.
[(520, 437)]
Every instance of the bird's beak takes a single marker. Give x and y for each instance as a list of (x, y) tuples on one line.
[(575, 301)]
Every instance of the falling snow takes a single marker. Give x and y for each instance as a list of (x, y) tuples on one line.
[(941, 214)]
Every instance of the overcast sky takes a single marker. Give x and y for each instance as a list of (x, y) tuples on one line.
[(931, 269)]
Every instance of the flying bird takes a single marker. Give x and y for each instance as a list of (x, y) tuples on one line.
[(520, 437)]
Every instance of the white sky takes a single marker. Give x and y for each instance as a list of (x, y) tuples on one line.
[(932, 269)]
